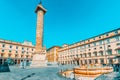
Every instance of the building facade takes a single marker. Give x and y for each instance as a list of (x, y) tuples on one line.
[(16, 51), (52, 54), (101, 49)]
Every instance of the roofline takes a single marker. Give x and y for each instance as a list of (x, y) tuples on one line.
[(14, 42), (52, 47), (95, 36)]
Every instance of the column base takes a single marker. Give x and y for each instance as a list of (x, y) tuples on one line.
[(39, 60)]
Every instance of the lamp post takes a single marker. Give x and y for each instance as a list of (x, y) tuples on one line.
[(71, 59), (74, 73), (77, 59)]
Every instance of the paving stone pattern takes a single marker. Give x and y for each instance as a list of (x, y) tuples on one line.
[(50, 73)]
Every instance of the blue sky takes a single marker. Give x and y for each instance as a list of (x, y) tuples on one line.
[(66, 21)]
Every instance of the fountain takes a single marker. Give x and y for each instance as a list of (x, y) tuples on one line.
[(88, 72)]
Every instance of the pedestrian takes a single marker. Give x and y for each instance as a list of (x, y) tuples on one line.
[(21, 64), (24, 64)]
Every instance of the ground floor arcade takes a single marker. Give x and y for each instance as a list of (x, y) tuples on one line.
[(15, 60)]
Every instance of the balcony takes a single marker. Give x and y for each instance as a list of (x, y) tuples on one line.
[(95, 54), (109, 51), (89, 54), (101, 53)]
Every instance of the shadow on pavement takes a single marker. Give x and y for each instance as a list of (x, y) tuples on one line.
[(28, 76)]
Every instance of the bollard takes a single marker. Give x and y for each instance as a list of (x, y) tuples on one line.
[(61, 70)]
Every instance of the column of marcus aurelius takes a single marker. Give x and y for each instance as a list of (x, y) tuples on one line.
[(39, 57)]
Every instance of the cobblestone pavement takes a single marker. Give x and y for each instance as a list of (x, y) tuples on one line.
[(110, 76), (48, 73)]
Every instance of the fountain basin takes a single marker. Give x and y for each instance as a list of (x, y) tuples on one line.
[(93, 71)]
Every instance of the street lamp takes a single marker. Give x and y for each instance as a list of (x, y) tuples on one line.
[(74, 73), (77, 59), (71, 59)]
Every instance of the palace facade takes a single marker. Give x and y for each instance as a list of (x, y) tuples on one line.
[(16, 51), (101, 49), (52, 54)]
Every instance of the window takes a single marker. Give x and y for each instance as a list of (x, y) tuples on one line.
[(110, 61), (84, 46), (100, 47), (93, 38), (109, 52), (22, 51), (100, 42), (109, 46), (27, 49), (96, 61), (118, 44), (16, 47), (101, 53), (1, 55), (3, 45), (107, 34), (27, 56), (89, 49), (89, 45), (9, 51), (90, 61), (102, 61), (9, 55), (94, 48), (99, 36), (21, 56), (108, 40), (85, 55), (22, 48), (117, 38), (95, 53), (32, 49), (10, 46), (2, 50), (81, 55), (16, 51), (16, 55), (89, 54), (118, 51), (85, 61), (116, 32), (88, 40), (94, 44)]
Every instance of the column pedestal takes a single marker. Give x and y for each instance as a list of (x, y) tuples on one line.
[(39, 60)]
